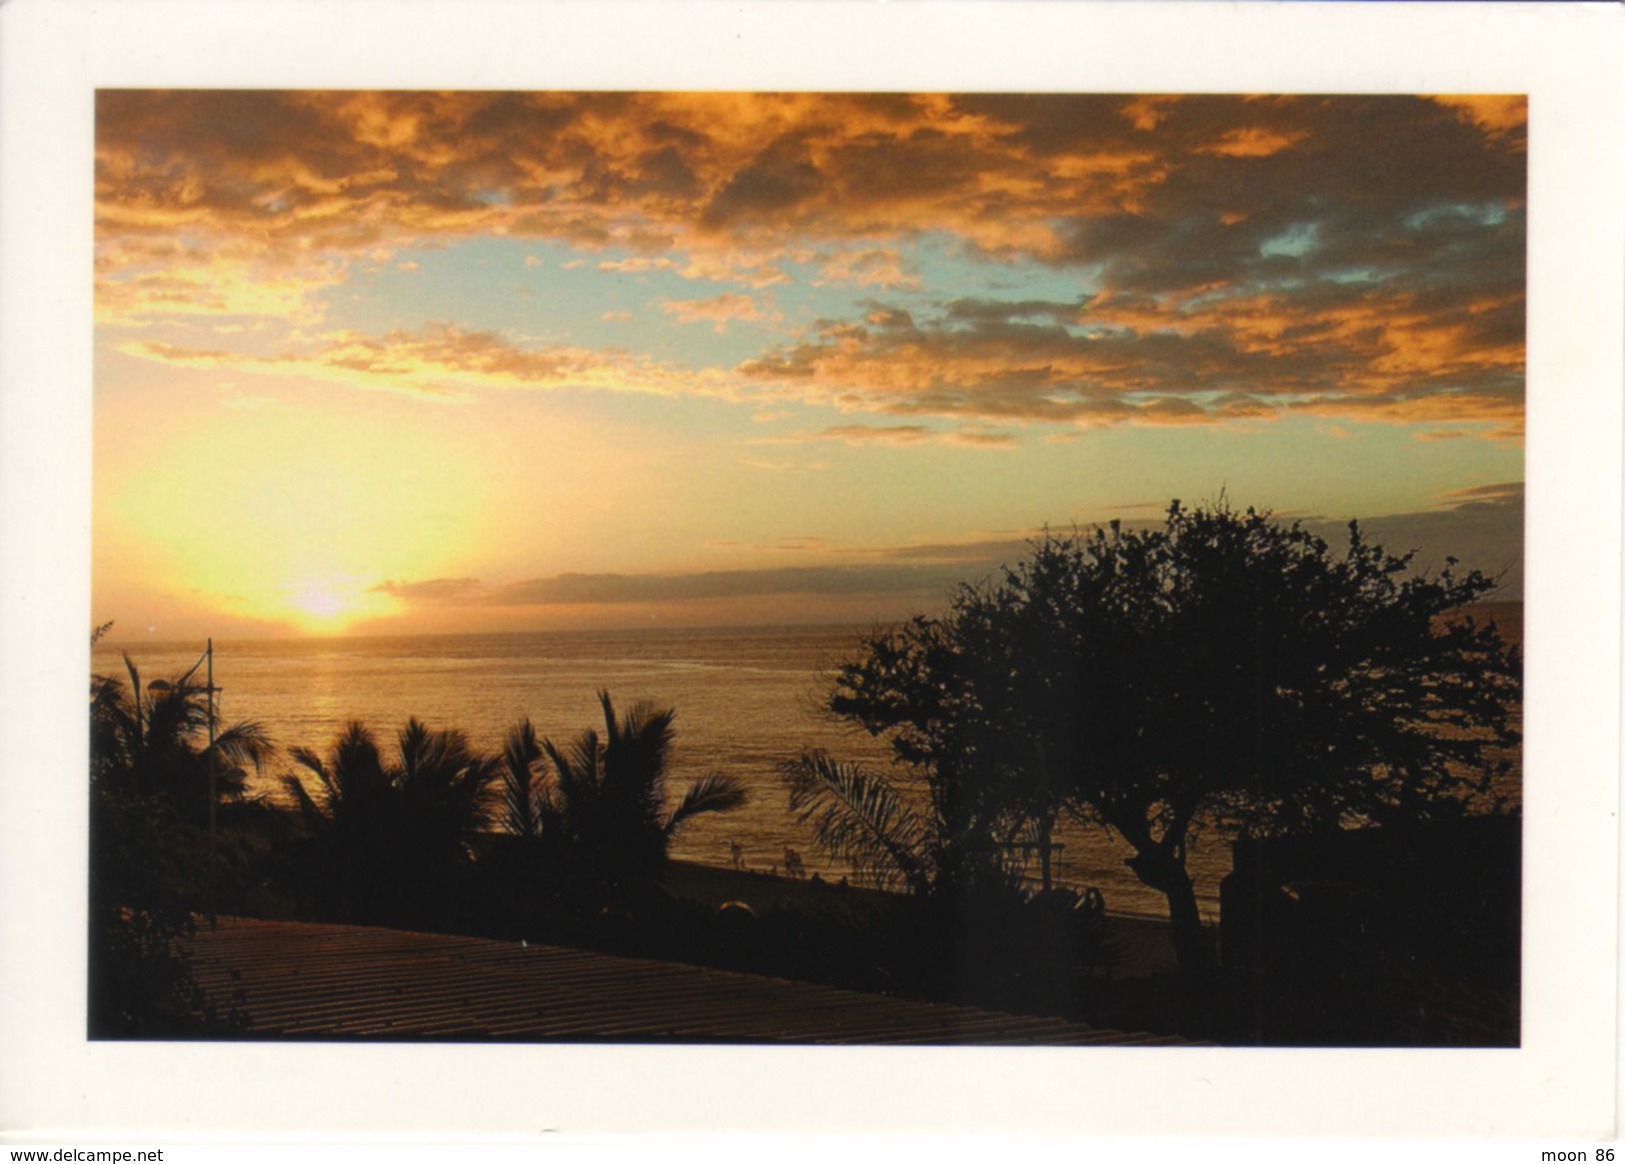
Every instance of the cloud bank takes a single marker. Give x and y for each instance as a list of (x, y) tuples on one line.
[(1482, 527), (1230, 259)]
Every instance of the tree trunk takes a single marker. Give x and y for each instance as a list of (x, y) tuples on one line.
[(1191, 945), (1045, 826), (1162, 867)]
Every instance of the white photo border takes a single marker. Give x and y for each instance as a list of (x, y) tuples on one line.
[(54, 55)]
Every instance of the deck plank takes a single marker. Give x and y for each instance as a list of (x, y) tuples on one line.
[(298, 980)]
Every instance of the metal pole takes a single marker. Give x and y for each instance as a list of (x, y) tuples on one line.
[(214, 850)]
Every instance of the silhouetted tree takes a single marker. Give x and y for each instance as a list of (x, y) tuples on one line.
[(610, 796), (152, 867), (154, 741), (1223, 668), (969, 930), (389, 839)]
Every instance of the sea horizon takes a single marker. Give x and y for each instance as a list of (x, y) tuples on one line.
[(116, 638), (747, 698)]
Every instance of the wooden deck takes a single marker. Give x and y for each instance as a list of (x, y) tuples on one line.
[(326, 982)]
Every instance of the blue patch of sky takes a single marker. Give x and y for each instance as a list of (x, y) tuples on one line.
[(942, 271), (538, 292), (955, 271), (1295, 241), (1466, 213), (1354, 275), (471, 284), (535, 293)]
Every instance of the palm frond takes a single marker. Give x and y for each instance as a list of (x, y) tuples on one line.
[(185, 679), (578, 768), (356, 752), (245, 743), (306, 758), (521, 748), (175, 714), (522, 751), (414, 744), (712, 793), (636, 755), (110, 726), (466, 799), (859, 816), (441, 776), (135, 701), (314, 814), (352, 776)]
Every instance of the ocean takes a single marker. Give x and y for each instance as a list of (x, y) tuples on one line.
[(745, 699)]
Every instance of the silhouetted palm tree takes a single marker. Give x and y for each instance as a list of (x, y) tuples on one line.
[(153, 865), (154, 741), (389, 839), (929, 843), (611, 801)]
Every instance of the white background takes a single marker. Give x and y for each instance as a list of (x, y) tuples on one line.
[(1560, 1086)]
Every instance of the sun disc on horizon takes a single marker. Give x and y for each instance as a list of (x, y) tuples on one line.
[(294, 522), (333, 604)]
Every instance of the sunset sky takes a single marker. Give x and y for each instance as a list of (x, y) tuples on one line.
[(478, 361)]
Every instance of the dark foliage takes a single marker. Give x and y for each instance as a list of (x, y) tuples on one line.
[(388, 840), (141, 853), (606, 826), (1402, 935), (1223, 669), (154, 741), (153, 868), (860, 817)]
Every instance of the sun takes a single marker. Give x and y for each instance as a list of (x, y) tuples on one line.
[(333, 603), (286, 522)]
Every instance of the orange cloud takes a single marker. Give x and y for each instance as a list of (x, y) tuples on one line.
[(982, 438), (637, 265), (1216, 359), (884, 268), (658, 172), (1146, 113), (1495, 114), (322, 172), (1501, 492), (1254, 142), (143, 278), (906, 434), (893, 434), (1506, 416), (719, 311), (1233, 258), (444, 362)]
